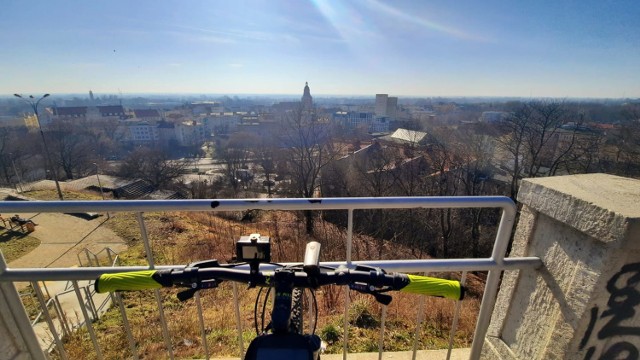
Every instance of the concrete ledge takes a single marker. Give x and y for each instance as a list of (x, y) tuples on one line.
[(605, 207), (584, 302)]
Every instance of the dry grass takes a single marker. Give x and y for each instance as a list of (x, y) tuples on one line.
[(15, 244), (67, 195), (179, 238)]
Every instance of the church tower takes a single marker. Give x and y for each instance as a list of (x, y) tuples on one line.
[(307, 100)]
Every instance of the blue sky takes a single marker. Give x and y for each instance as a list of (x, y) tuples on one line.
[(356, 47)]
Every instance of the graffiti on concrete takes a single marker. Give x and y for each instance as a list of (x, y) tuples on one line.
[(623, 288)]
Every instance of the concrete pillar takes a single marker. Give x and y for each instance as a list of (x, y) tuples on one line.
[(585, 301), (17, 339)]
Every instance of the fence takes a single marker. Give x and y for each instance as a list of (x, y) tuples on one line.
[(495, 264)]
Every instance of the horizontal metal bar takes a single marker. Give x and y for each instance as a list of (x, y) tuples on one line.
[(263, 204), (438, 265)]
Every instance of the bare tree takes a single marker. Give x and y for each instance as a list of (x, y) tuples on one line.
[(106, 135), (531, 139), (626, 140), (475, 169), (585, 155), (236, 153), (266, 155), (154, 166), (443, 182), (309, 147), (5, 159), (72, 148)]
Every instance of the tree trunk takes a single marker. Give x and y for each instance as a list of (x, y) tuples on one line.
[(308, 215)]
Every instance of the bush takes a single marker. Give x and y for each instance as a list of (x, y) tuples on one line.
[(360, 316), (330, 334)]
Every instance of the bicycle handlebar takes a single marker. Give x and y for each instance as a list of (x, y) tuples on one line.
[(193, 277)]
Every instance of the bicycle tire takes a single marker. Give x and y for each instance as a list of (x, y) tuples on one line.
[(295, 321)]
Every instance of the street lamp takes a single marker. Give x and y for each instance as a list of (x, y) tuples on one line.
[(100, 185), (16, 171), (34, 105), (98, 176)]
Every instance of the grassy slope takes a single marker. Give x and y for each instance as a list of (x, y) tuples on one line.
[(15, 244), (178, 238), (67, 195)]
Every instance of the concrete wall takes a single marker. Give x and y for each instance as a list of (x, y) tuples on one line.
[(582, 304)]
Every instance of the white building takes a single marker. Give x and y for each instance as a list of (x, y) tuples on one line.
[(386, 106), (206, 108), (493, 116), (307, 100), (381, 104), (392, 107), (366, 120), (189, 133), (141, 131), (90, 113), (224, 123)]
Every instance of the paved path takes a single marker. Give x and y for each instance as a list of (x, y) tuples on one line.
[(63, 236)]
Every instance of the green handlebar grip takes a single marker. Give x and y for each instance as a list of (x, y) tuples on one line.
[(133, 280), (425, 285)]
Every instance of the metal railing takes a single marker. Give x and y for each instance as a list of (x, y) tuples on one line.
[(91, 257), (65, 324), (495, 264)]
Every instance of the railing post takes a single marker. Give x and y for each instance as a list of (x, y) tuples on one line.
[(149, 252), (347, 300), (87, 320), (49, 320), (456, 316), (493, 280), (63, 315), (238, 319), (383, 321), (202, 329), (109, 256), (17, 337), (92, 305), (46, 289), (127, 327), (86, 252), (416, 335)]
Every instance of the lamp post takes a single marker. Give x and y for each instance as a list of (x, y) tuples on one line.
[(98, 176), (16, 171), (34, 105), (100, 185)]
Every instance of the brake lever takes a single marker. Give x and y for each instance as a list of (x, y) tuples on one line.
[(189, 293), (186, 294), (383, 299)]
